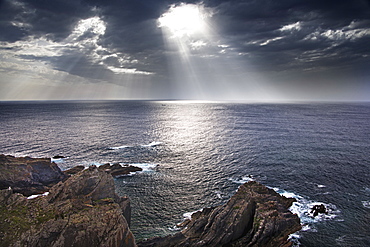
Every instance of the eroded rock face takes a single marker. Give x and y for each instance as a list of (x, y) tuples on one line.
[(27, 175), (84, 210), (254, 216), (117, 170), (81, 211)]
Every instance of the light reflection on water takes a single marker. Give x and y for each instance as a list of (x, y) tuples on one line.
[(205, 150)]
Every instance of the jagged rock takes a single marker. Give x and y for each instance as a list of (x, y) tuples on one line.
[(81, 211), (28, 175), (316, 209), (117, 170), (58, 157), (254, 216), (74, 170)]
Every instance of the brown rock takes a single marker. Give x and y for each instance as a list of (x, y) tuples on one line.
[(28, 175), (81, 211), (254, 216), (117, 169), (74, 170)]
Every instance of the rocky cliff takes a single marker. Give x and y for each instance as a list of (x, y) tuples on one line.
[(254, 216), (27, 175), (83, 210)]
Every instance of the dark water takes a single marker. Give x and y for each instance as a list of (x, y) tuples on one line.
[(196, 155)]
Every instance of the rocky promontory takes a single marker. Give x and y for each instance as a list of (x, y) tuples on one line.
[(81, 208), (254, 216), (27, 175)]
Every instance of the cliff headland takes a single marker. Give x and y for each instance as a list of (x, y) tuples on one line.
[(79, 207)]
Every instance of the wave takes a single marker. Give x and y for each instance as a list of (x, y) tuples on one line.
[(119, 147), (147, 167), (35, 196), (152, 144), (303, 208), (187, 215), (242, 180), (366, 204), (58, 160)]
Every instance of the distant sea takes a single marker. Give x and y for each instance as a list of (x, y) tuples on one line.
[(195, 155)]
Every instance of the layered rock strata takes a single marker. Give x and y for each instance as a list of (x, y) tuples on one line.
[(116, 170), (27, 175), (254, 216), (82, 211)]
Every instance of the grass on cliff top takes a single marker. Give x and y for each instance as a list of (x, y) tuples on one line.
[(18, 219)]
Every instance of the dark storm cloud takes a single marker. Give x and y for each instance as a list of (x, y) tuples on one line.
[(273, 37), (39, 17), (327, 33)]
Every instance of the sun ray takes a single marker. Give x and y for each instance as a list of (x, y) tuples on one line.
[(203, 66)]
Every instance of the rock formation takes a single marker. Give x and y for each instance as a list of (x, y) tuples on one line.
[(254, 216), (84, 210), (27, 175), (117, 170)]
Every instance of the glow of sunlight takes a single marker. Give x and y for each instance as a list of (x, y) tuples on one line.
[(184, 19), (203, 66), (186, 125)]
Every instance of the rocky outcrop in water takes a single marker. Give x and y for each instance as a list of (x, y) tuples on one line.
[(254, 216), (84, 210), (117, 170), (27, 175)]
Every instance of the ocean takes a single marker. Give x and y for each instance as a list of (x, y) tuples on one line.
[(195, 155)]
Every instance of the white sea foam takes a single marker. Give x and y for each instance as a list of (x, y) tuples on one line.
[(93, 163), (174, 228), (366, 204), (147, 167), (242, 180), (152, 144), (59, 160), (119, 147), (35, 196), (303, 207), (219, 194), (187, 216), (294, 239)]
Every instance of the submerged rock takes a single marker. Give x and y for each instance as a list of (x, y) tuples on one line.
[(59, 157), (84, 210), (316, 209), (117, 170), (254, 216), (27, 175)]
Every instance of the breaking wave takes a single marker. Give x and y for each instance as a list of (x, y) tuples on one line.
[(152, 144)]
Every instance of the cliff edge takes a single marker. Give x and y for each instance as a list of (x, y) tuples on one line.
[(254, 216), (27, 175), (83, 210)]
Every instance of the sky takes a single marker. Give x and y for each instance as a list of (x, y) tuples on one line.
[(239, 50)]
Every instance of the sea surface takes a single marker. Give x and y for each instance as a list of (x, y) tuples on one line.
[(195, 155)]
